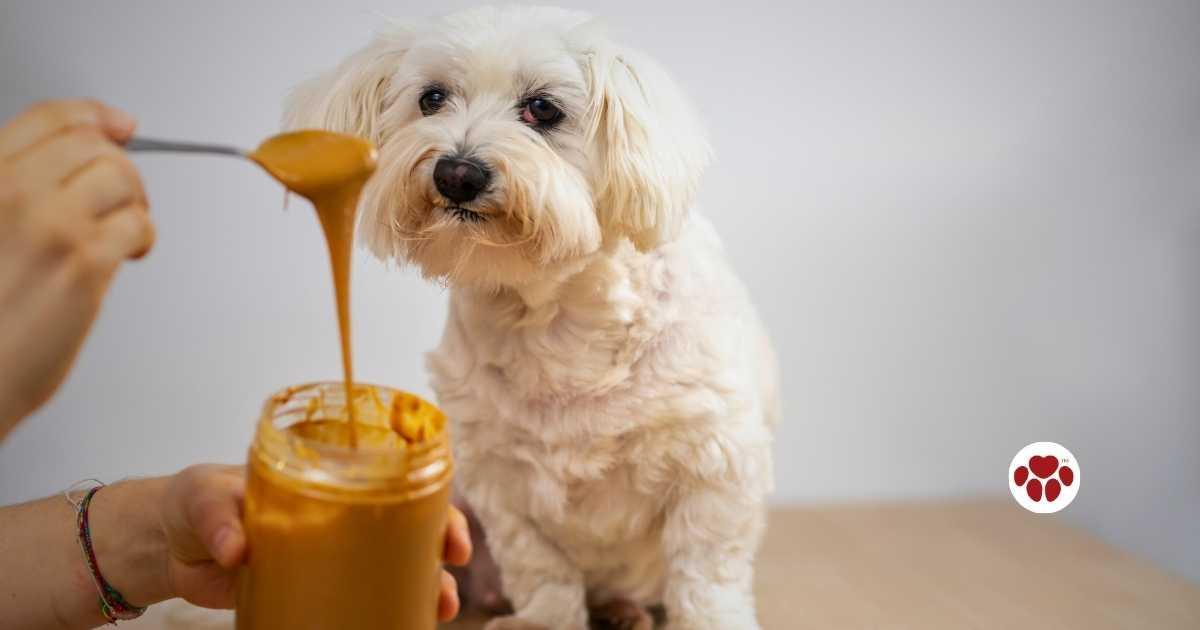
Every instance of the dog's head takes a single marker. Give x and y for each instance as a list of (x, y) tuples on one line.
[(511, 141)]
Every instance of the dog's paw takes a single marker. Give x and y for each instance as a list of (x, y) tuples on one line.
[(621, 614), (513, 622)]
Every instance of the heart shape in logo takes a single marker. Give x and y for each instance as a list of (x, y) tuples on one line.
[(1043, 466)]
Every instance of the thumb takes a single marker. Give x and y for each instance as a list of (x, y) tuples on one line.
[(228, 545), (217, 516)]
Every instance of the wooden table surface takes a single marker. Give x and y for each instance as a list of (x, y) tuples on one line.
[(952, 566)]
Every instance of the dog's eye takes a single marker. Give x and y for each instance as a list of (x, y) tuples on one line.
[(431, 101), (540, 113)]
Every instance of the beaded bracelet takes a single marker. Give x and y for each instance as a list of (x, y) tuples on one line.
[(112, 604)]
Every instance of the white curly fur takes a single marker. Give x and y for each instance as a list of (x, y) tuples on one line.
[(611, 390)]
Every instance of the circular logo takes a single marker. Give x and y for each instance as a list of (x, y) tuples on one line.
[(1044, 477)]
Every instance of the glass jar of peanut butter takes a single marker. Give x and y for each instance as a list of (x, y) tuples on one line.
[(341, 536)]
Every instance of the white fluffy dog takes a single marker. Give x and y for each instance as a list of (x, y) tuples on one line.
[(611, 390)]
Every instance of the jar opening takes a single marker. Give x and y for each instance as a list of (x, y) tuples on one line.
[(303, 434)]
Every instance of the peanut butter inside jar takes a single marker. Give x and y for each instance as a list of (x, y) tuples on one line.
[(344, 536)]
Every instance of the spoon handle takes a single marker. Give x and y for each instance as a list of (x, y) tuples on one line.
[(153, 144)]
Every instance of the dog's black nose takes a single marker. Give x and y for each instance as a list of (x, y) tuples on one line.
[(458, 179)]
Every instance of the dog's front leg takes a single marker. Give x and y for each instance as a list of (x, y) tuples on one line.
[(546, 589), (710, 540)]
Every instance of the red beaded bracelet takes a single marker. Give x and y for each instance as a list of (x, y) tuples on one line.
[(112, 604)]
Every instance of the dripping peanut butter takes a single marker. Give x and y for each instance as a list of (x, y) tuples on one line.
[(330, 170), (347, 484)]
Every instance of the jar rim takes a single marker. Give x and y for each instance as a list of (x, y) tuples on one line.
[(401, 467)]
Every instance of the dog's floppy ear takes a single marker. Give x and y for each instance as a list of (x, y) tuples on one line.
[(650, 146), (351, 98)]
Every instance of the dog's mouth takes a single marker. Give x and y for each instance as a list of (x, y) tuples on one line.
[(465, 215)]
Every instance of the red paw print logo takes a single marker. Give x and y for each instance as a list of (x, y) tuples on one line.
[(1044, 477)]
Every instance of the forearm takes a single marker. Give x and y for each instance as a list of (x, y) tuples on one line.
[(45, 579)]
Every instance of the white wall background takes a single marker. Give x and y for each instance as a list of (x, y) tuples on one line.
[(970, 226)]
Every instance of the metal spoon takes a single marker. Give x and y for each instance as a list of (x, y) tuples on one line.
[(141, 144)]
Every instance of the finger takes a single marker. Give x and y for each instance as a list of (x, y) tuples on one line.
[(126, 233), (55, 158), (457, 550), (48, 118), (215, 515), (448, 598), (101, 186)]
